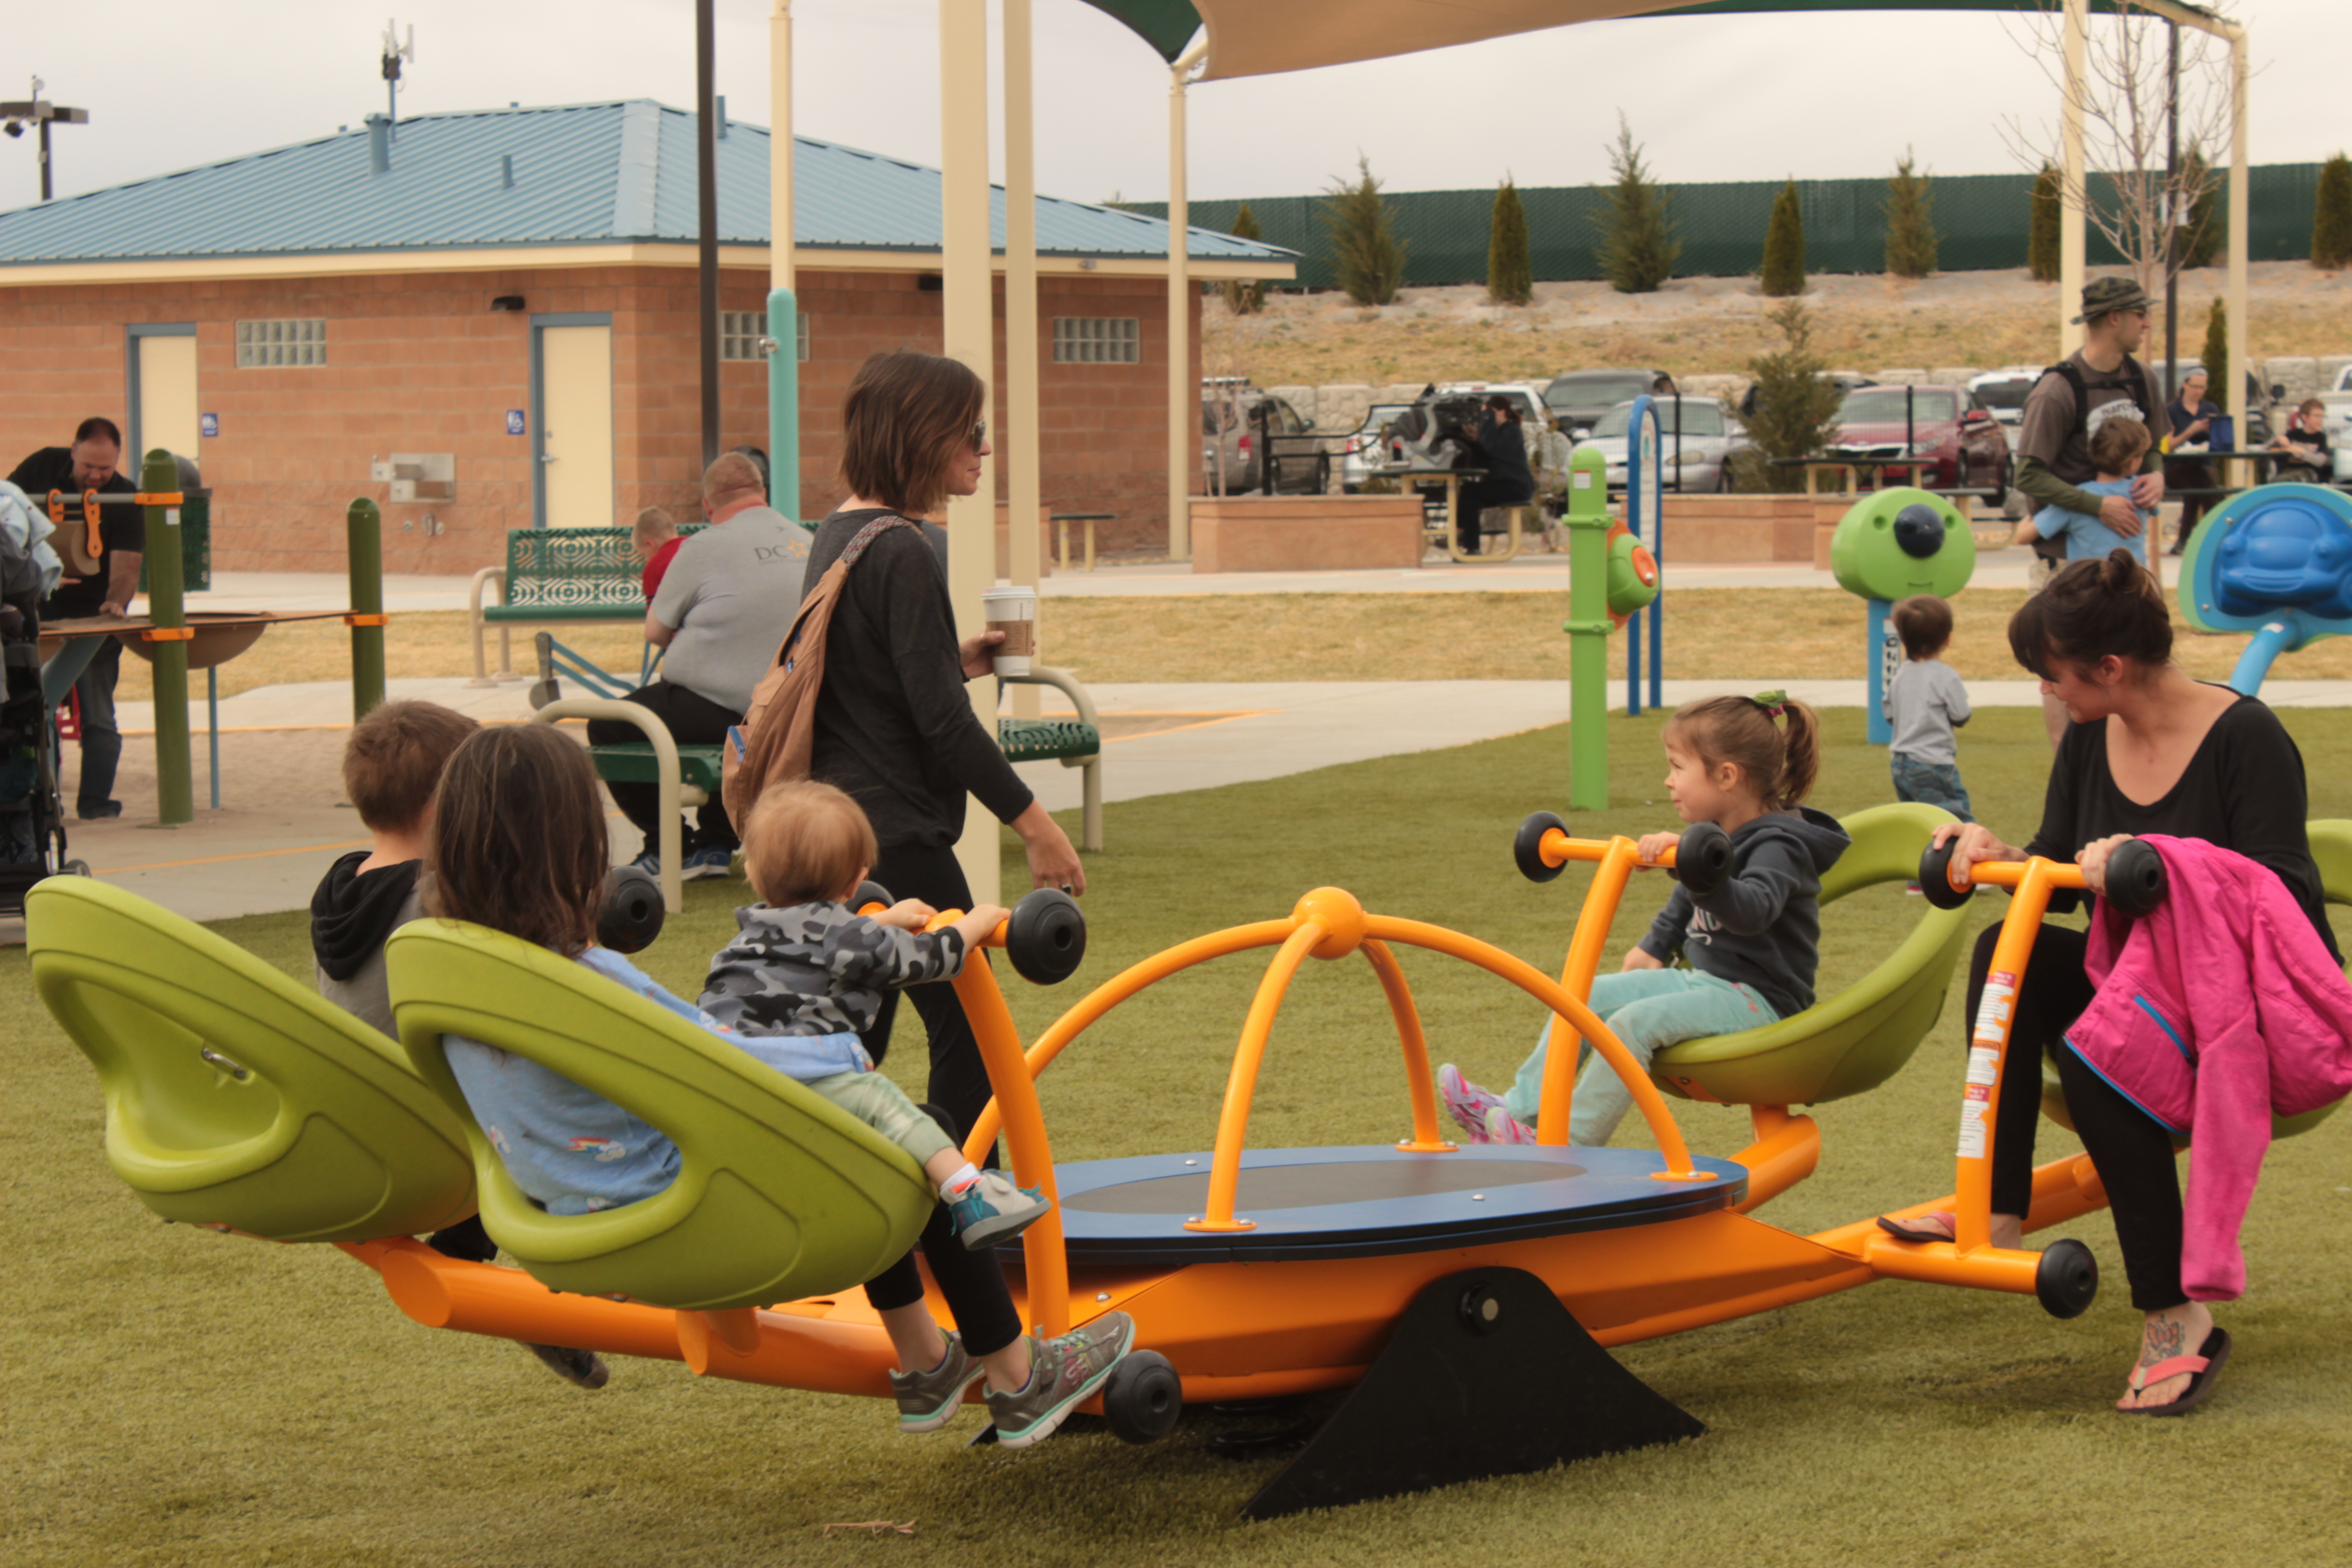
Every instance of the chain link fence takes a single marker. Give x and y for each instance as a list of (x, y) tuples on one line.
[(1980, 224)]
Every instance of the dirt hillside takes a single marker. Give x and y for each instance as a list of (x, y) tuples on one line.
[(1711, 325)]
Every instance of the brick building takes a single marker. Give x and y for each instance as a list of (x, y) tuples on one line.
[(515, 290)]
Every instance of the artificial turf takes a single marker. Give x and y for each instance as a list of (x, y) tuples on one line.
[(174, 1396)]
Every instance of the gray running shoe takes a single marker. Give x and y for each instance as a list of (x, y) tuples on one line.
[(1062, 1372), (581, 1369), (929, 1400)]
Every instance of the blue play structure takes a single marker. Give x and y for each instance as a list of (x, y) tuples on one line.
[(2276, 561), (1645, 518)]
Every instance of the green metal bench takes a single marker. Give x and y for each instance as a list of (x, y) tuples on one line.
[(1073, 743), (555, 577)]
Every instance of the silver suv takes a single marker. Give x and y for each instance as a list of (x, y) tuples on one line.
[(1232, 413)]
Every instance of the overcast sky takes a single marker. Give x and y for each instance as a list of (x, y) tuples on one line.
[(169, 86)]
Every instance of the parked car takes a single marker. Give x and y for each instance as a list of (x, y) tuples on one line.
[(2003, 392), (1578, 398), (2259, 422), (2338, 399), (1445, 416), (1367, 448), (1961, 445), (1709, 435), (1231, 417)]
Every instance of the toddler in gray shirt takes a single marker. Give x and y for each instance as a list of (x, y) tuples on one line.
[(1925, 703)]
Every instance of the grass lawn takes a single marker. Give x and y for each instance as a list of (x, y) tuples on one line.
[(174, 1396), (1711, 633)]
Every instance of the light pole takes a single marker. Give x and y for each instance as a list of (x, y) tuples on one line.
[(40, 112)]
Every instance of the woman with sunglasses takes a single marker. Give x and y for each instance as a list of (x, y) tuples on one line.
[(894, 728)]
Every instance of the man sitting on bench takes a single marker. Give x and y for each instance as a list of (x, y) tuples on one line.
[(725, 601)]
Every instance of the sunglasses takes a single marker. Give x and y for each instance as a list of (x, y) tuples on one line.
[(980, 435)]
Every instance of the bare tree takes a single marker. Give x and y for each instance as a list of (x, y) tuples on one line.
[(2125, 125)]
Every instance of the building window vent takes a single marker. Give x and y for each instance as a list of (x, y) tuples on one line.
[(1097, 340), (740, 332), (299, 342)]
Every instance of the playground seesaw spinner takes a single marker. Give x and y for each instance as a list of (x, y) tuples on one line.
[(1464, 1296)]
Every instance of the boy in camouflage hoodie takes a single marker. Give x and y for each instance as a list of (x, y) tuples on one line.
[(805, 976)]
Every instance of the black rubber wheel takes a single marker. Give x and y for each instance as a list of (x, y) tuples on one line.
[(1526, 849), (1144, 1397), (75, 869), (632, 913), (2067, 1280), (1322, 475), (1703, 858), (1935, 876), (871, 892), (2135, 878), (1046, 937)]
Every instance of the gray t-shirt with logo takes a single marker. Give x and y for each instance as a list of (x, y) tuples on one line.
[(730, 592)]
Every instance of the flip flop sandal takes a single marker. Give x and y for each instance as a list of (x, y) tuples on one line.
[(1901, 1229), (2204, 1368)]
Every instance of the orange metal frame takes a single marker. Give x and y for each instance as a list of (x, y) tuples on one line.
[(1235, 1330)]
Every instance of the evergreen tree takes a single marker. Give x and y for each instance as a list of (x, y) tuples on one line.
[(2217, 353), (2201, 239), (1784, 245), (2331, 215), (1910, 224), (1510, 279), (1638, 245), (1366, 253), (2041, 231), (1246, 299), (1796, 409)]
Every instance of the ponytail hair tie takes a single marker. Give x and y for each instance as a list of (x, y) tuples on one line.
[(1774, 703)]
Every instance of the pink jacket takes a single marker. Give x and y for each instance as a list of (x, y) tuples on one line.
[(2213, 1012)]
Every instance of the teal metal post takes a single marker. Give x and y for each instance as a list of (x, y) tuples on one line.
[(785, 404), (175, 791), (363, 530), (1588, 627)]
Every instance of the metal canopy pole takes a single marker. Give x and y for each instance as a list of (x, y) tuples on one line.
[(706, 142)]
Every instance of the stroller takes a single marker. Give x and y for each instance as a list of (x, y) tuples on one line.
[(32, 821)]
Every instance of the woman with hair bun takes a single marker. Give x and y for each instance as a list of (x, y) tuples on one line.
[(2146, 750)]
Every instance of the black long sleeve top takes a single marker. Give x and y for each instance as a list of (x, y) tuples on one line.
[(894, 728), (2243, 790)]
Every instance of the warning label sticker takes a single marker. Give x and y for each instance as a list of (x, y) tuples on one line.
[(1995, 1006), (1984, 1065), (1972, 1131)]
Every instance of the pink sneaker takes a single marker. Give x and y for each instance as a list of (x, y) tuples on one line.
[(1466, 1102), (1502, 1127)]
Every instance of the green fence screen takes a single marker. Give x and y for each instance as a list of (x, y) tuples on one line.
[(1980, 224)]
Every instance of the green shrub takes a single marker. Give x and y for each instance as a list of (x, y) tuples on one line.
[(1638, 245), (2202, 237), (2041, 229), (1246, 299), (1783, 272), (1510, 278), (1910, 226), (2217, 354), (2331, 215), (1796, 410), (1366, 253)]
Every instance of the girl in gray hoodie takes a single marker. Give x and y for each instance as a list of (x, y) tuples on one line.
[(1744, 764)]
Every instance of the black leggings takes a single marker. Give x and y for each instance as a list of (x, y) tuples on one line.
[(959, 1082), (972, 1282), (2132, 1152), (693, 720)]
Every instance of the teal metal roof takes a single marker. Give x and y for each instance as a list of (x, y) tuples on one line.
[(592, 173)]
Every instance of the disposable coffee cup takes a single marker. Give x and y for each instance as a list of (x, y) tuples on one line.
[(1012, 608)]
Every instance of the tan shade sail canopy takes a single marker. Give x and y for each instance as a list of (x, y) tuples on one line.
[(1262, 37)]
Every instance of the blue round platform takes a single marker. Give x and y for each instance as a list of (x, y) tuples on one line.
[(1369, 1202)]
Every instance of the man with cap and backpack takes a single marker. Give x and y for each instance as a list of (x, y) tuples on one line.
[(2098, 382)]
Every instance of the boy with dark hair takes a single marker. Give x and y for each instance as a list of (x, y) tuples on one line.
[(391, 764), (1925, 703)]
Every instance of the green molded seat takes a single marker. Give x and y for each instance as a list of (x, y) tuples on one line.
[(1862, 1037), (235, 1096), (633, 762), (1043, 740), (2331, 847), (779, 1193)]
